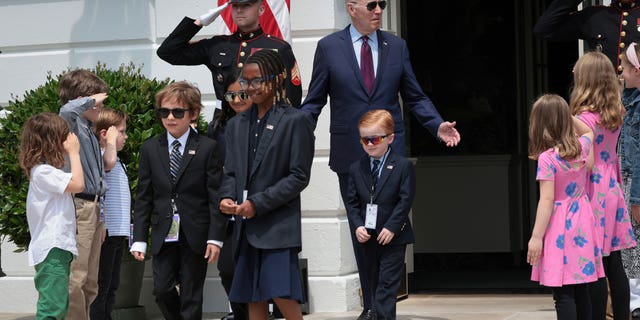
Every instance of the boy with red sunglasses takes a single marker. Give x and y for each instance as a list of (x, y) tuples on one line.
[(380, 194)]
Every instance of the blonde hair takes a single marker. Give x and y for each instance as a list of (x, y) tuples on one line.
[(378, 117), (42, 141), (596, 88), (184, 92), (551, 126), (107, 118)]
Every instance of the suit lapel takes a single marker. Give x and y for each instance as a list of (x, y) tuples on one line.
[(347, 49), (365, 171), (188, 153), (383, 52), (267, 134), (163, 150), (385, 172), (243, 148)]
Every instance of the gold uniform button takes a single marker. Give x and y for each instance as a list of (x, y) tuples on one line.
[(620, 56), (621, 45), (240, 65), (625, 13), (244, 44), (623, 34), (624, 22), (242, 54), (599, 36), (619, 68)]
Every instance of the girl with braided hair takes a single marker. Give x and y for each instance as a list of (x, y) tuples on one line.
[(268, 159)]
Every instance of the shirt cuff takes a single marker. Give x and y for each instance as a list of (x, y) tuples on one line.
[(139, 246), (216, 242)]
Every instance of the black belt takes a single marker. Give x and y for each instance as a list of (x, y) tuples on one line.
[(86, 196)]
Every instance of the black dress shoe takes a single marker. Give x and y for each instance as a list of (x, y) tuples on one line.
[(635, 314), (367, 314), (229, 316)]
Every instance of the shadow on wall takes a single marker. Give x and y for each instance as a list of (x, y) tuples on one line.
[(113, 32)]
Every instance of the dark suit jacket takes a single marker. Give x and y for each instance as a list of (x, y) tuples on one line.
[(222, 54), (336, 73), (599, 26), (394, 196), (195, 193), (280, 171)]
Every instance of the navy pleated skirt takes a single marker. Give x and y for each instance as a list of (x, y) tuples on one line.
[(263, 274)]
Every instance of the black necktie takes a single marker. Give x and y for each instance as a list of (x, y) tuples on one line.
[(374, 171), (366, 64), (174, 159)]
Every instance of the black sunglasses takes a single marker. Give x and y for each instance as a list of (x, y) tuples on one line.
[(372, 5), (178, 113), (231, 95)]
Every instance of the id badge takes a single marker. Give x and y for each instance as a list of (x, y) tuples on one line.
[(174, 230), (371, 217)]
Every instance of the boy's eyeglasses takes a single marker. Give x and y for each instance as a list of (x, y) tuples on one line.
[(374, 140), (231, 95), (372, 5), (255, 83), (178, 113)]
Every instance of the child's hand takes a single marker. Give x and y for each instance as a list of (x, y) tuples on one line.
[(535, 250), (138, 255), (385, 236), (71, 144), (635, 213), (246, 209), (362, 235), (212, 253), (99, 98), (228, 206), (112, 135)]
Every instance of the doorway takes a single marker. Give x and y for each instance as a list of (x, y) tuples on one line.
[(482, 67)]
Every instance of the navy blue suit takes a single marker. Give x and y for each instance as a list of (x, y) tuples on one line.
[(336, 74), (394, 194)]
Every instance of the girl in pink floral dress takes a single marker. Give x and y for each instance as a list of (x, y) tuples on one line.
[(564, 248), (595, 99)]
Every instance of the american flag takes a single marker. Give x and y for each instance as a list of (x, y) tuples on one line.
[(274, 21)]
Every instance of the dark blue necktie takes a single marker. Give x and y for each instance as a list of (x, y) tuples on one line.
[(374, 172), (174, 159), (366, 64)]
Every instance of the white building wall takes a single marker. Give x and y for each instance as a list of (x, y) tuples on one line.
[(50, 36)]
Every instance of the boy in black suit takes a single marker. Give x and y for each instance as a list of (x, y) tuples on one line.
[(177, 197), (380, 194)]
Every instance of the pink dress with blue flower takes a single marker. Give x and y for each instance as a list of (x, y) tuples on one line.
[(604, 190), (571, 253)]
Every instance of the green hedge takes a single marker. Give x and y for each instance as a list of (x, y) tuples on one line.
[(130, 91)]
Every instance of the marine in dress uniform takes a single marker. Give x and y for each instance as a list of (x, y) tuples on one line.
[(223, 53), (609, 29)]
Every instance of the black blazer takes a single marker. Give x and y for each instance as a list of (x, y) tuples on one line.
[(195, 193), (281, 170), (394, 196)]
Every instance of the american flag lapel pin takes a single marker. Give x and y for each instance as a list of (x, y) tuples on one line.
[(192, 152), (269, 127), (390, 167)]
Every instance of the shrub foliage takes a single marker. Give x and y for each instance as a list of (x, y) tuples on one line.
[(130, 91)]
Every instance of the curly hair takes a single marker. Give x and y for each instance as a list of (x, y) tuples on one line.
[(42, 141), (596, 88)]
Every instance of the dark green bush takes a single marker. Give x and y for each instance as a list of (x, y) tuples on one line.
[(130, 92)]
